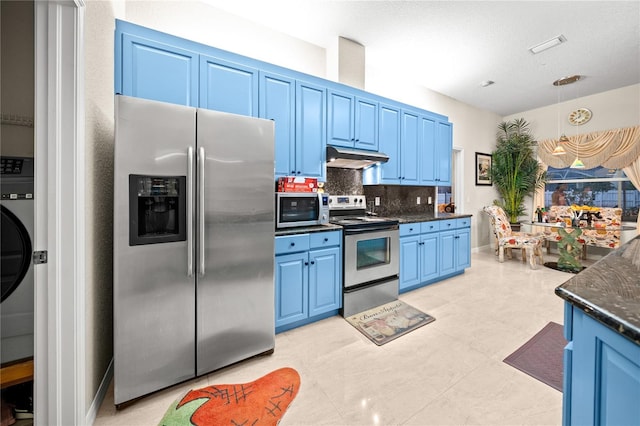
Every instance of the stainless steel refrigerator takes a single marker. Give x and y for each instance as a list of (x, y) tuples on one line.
[(193, 243)]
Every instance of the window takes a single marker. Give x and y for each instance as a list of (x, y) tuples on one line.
[(600, 187)]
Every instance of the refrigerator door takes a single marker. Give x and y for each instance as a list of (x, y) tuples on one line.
[(154, 298), (235, 288)]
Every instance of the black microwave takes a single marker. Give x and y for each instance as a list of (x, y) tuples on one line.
[(301, 209)]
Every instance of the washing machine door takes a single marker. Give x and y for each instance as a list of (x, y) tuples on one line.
[(16, 252)]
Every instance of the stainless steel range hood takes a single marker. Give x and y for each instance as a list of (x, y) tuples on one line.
[(350, 158)]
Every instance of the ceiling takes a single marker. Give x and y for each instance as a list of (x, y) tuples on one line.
[(451, 47)]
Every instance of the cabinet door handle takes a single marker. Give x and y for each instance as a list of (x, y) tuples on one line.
[(410, 229), (313, 262), (299, 172), (306, 263), (293, 172), (326, 239), (292, 244)]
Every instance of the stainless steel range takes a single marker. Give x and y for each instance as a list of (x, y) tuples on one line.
[(371, 254)]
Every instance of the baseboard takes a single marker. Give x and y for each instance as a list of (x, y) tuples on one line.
[(481, 249), (92, 413)]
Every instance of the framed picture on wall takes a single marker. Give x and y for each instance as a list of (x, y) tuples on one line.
[(483, 165)]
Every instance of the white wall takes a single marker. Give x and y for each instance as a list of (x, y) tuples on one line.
[(614, 109)]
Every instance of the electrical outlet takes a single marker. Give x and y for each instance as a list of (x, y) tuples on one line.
[(377, 201), (417, 200), (429, 201)]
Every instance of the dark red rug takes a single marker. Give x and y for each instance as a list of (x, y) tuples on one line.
[(542, 356)]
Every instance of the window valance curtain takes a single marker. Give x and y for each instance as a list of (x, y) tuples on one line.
[(615, 149)]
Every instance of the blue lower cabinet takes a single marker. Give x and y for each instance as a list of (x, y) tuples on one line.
[(601, 373), (432, 251), (308, 278)]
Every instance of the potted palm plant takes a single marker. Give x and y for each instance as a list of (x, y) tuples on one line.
[(515, 170)]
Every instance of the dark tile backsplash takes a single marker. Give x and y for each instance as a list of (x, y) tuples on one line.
[(343, 181), (399, 199), (394, 199)]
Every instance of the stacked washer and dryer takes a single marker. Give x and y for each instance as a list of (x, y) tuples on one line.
[(17, 302)]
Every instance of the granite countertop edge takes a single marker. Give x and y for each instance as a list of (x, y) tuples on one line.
[(402, 218), (593, 295), (427, 217), (307, 229)]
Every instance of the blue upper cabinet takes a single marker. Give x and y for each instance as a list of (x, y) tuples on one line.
[(277, 103), (352, 121), (427, 151), (366, 124), (409, 145), (311, 140), (340, 119), (298, 109), (158, 71), (309, 112), (389, 143), (228, 87), (444, 147)]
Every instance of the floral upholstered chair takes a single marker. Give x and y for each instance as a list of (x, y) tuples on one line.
[(506, 239)]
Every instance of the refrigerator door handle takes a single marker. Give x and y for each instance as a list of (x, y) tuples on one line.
[(201, 192), (190, 212)]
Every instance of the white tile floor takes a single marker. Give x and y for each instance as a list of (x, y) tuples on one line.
[(449, 372)]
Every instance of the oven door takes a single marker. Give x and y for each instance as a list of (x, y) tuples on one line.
[(370, 255)]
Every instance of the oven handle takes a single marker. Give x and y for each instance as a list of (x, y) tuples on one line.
[(357, 231)]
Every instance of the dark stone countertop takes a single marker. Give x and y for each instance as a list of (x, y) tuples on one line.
[(308, 229), (427, 217), (609, 290)]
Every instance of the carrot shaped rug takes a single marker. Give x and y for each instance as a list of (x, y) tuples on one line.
[(261, 402)]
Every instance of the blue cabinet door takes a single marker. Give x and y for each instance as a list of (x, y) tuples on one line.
[(340, 119), (443, 149), (409, 158), (291, 292), (159, 72), (604, 381), (447, 255), (228, 87), (463, 248), (277, 103), (429, 268), (409, 262), (310, 130), (366, 124), (324, 280), (389, 143), (352, 121), (427, 151)]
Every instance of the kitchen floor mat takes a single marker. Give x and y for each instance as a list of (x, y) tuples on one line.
[(261, 402), (386, 322), (542, 356)]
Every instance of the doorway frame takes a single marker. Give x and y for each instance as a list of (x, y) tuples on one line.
[(59, 197)]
